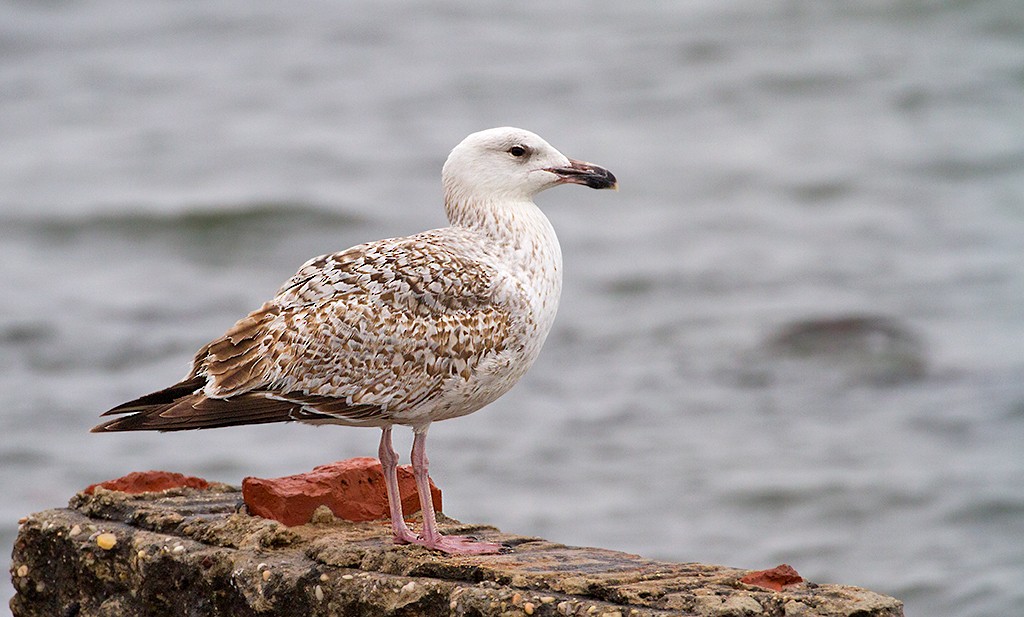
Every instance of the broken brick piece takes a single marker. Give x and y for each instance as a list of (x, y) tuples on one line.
[(149, 482), (776, 578), (353, 489)]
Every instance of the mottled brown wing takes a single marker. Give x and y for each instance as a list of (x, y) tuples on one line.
[(382, 324), (357, 335)]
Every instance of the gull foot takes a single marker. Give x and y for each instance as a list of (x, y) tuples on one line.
[(461, 545), (406, 537)]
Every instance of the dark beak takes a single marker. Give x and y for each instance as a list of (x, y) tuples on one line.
[(587, 174)]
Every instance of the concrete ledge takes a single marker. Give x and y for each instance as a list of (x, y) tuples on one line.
[(196, 552)]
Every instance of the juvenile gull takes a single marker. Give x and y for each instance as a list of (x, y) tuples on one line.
[(400, 331)]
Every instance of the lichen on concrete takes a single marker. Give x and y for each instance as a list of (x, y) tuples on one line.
[(197, 552)]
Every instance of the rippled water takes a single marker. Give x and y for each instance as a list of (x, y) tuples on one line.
[(795, 335)]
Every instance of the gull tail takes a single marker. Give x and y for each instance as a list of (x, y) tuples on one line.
[(184, 407)]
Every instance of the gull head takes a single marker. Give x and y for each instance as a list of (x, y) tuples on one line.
[(513, 164)]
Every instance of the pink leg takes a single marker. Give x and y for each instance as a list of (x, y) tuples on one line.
[(389, 461), (431, 537)]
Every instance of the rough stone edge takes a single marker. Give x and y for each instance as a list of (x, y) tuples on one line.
[(167, 570)]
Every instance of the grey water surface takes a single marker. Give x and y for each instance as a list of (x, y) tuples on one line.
[(796, 335)]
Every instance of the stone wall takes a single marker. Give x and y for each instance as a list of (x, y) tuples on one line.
[(189, 551)]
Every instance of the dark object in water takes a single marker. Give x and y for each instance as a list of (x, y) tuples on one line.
[(872, 348)]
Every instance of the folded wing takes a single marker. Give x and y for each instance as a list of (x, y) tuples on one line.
[(352, 337)]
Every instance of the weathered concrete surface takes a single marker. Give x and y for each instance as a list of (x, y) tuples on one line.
[(193, 552)]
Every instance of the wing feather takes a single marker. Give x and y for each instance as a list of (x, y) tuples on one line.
[(355, 336)]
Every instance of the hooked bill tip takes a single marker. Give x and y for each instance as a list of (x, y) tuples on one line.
[(587, 174)]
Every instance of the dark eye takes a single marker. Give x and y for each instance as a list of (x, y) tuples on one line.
[(517, 151)]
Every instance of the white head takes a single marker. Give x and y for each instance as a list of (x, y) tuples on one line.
[(512, 164)]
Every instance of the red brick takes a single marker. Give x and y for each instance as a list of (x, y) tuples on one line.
[(150, 482), (353, 489), (776, 578)]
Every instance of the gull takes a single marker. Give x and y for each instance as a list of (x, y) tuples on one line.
[(406, 331)]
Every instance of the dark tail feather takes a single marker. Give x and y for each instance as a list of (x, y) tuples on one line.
[(195, 411), (164, 397), (183, 407)]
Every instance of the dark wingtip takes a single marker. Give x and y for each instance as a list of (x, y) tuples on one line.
[(123, 423)]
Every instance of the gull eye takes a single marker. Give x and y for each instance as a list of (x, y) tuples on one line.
[(518, 151)]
